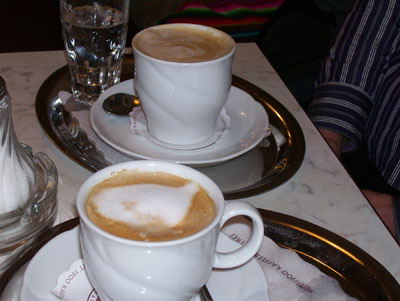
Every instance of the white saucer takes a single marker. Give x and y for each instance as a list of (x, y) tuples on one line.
[(249, 123), (247, 282)]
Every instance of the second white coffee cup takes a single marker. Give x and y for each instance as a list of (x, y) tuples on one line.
[(125, 269), (182, 99)]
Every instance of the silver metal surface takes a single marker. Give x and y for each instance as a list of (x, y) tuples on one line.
[(73, 137)]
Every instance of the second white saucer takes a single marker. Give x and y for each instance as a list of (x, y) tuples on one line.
[(246, 282), (249, 123)]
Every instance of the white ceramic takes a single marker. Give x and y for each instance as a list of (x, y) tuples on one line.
[(182, 100), (246, 282), (249, 123), (122, 269)]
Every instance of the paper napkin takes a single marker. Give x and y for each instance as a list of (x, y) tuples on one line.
[(138, 127), (289, 277), (74, 285)]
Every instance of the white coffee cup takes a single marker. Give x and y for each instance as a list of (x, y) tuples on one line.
[(182, 100), (124, 269)]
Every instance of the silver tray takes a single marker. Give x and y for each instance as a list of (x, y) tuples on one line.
[(359, 275), (268, 165)]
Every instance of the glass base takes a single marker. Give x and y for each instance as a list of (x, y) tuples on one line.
[(38, 213)]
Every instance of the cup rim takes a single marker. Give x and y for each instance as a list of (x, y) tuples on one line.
[(167, 167), (229, 54)]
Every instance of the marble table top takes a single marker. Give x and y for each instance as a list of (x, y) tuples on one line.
[(321, 191)]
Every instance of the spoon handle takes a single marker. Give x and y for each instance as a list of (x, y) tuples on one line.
[(205, 294)]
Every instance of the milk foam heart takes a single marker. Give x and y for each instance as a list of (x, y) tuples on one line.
[(140, 204), (149, 206)]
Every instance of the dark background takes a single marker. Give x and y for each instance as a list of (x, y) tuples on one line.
[(34, 25), (30, 26)]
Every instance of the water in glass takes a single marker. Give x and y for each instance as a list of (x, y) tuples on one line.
[(94, 37)]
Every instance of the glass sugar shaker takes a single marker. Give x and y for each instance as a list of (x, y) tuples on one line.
[(28, 188), (17, 169)]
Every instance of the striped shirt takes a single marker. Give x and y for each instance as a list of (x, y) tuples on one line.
[(358, 90)]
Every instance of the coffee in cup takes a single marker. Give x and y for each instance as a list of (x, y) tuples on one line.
[(149, 206), (159, 265), (183, 75), (185, 44)]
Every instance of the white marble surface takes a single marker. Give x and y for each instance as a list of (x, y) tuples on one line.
[(320, 192)]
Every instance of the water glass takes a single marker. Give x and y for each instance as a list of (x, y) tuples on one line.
[(94, 33)]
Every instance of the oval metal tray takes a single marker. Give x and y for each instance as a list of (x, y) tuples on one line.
[(360, 275), (266, 166)]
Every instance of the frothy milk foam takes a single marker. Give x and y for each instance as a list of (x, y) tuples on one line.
[(140, 204), (149, 206), (183, 43)]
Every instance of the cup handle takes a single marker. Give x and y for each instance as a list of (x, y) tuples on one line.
[(247, 251)]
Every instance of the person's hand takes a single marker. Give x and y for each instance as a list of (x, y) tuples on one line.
[(383, 204), (334, 140)]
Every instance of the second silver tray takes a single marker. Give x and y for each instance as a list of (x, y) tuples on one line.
[(268, 165)]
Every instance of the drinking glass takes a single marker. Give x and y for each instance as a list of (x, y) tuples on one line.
[(94, 33)]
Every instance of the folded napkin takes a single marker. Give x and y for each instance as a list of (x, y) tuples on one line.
[(288, 276), (74, 285)]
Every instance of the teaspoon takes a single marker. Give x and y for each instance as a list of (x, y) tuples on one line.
[(120, 103)]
